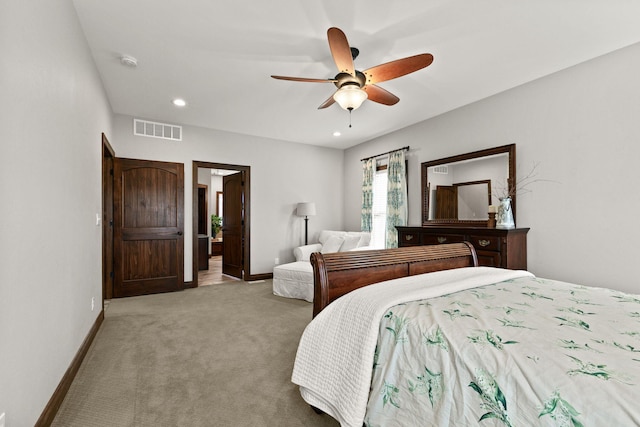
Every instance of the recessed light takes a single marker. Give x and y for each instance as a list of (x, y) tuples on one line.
[(337, 133), (179, 102)]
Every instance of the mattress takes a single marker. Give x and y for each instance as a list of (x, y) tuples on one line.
[(294, 280)]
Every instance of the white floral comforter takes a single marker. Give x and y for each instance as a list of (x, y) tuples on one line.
[(517, 351), (336, 351)]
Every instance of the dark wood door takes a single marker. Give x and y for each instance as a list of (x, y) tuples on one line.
[(148, 227), (446, 202), (107, 219), (233, 224)]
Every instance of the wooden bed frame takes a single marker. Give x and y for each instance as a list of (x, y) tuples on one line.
[(335, 274)]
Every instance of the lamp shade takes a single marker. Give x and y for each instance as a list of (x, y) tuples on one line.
[(306, 209), (350, 96)]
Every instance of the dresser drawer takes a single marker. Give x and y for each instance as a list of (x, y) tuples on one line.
[(485, 243), (489, 258), (437, 239), (409, 239)]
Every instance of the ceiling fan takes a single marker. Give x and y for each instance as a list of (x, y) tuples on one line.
[(355, 86)]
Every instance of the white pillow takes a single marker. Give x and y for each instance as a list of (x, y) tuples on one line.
[(326, 234), (332, 245), (364, 236), (365, 240), (350, 242)]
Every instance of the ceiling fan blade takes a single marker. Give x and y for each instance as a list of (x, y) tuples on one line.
[(329, 102), (397, 68), (379, 95), (304, 79), (340, 50)]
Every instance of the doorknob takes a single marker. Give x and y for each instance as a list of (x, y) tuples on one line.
[(179, 233)]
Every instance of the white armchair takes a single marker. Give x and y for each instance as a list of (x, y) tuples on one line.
[(295, 280)]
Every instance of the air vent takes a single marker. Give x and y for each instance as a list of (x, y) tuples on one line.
[(157, 130), (443, 170)]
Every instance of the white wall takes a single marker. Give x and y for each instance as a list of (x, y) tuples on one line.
[(581, 124), (214, 184), (52, 113), (214, 187), (204, 178), (282, 174)]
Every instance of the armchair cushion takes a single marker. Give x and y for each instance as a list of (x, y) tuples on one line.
[(334, 241), (364, 236)]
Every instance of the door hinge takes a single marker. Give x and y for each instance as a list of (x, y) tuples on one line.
[(111, 274), (111, 171)]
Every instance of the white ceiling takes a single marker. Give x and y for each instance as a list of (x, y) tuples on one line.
[(219, 55)]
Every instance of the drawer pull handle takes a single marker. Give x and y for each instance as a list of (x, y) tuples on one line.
[(442, 239), (483, 242), (408, 237)]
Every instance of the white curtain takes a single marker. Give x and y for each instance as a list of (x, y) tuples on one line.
[(368, 170), (396, 196)]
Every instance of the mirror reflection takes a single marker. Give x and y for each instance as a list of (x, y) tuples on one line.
[(473, 199)]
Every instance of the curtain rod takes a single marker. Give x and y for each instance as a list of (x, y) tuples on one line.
[(388, 152)]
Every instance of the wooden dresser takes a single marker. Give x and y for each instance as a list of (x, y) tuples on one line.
[(216, 247), (495, 247)]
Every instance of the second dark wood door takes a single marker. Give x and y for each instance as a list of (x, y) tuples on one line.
[(233, 224), (446, 202)]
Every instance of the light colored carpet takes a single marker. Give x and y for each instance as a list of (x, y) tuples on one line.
[(219, 355)]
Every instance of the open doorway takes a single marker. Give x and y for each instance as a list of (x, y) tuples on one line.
[(221, 232)]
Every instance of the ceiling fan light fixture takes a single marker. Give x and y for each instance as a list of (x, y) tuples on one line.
[(350, 96)]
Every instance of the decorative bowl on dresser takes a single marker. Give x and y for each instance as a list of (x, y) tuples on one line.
[(495, 247)]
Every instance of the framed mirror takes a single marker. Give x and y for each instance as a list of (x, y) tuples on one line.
[(458, 190)]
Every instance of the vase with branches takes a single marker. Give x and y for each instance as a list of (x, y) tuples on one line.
[(504, 194), (521, 186)]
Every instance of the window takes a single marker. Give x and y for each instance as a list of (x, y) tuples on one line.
[(379, 209)]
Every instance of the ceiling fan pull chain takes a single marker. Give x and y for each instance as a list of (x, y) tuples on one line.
[(350, 110)]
